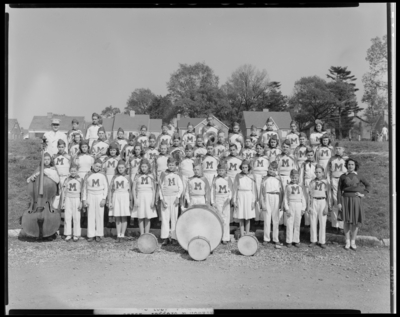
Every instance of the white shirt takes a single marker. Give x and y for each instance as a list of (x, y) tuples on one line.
[(52, 139)]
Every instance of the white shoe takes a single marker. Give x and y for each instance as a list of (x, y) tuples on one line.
[(68, 238), (353, 245), (347, 246)]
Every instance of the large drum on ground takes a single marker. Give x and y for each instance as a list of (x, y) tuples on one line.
[(199, 220), (199, 248), (147, 243), (248, 245)]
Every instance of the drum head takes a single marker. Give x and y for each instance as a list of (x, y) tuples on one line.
[(199, 248), (199, 220), (248, 245), (147, 243)]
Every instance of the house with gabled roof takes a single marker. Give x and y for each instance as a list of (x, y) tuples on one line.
[(41, 124), (198, 124), (281, 121), (131, 123), (14, 130)]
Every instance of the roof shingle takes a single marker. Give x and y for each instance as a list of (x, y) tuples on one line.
[(258, 118)]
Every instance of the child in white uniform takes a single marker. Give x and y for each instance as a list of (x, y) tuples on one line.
[(271, 198), (133, 161), (144, 191), (100, 146), (198, 189), (244, 197), (295, 203), (95, 189), (143, 139), (318, 206), (307, 173), (259, 169), (121, 140), (91, 132), (221, 148), (324, 151), (335, 168), (268, 133), (83, 160), (120, 199), (73, 146), (171, 189), (111, 162), (248, 152), (151, 153), (299, 153), (221, 195), (293, 137), (71, 202), (317, 134), (127, 150), (189, 137), (209, 163), (272, 150), (236, 137)]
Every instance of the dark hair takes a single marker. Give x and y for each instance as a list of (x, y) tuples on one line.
[(245, 162), (108, 151), (269, 142), (233, 144), (325, 137), (51, 159), (322, 127), (355, 162), (80, 147)]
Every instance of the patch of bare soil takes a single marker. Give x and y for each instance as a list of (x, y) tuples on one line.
[(60, 275)]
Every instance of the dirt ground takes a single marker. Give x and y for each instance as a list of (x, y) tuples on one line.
[(61, 275)]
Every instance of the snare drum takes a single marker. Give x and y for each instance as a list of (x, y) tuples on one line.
[(199, 248), (199, 220), (248, 245), (147, 243)]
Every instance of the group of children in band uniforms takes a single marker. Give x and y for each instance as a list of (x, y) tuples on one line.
[(242, 178)]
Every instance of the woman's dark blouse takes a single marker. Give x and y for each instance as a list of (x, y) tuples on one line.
[(352, 183)]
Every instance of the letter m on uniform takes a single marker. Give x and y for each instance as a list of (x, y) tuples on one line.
[(120, 184), (190, 139), (171, 181), (285, 162), (324, 152), (60, 161), (145, 180), (295, 190), (233, 166), (209, 165), (260, 163), (221, 188), (318, 186), (95, 182), (111, 164), (338, 167), (72, 187), (197, 186)]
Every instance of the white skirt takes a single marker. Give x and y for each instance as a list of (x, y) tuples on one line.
[(243, 210), (144, 211), (120, 205)]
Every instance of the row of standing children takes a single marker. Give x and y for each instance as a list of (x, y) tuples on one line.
[(260, 182)]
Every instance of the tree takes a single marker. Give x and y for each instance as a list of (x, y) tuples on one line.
[(311, 100), (194, 89), (246, 87), (375, 81), (110, 112), (139, 101), (339, 73), (272, 99), (161, 107)]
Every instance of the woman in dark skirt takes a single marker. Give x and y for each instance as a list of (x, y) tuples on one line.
[(349, 194)]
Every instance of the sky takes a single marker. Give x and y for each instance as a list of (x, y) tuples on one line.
[(79, 61)]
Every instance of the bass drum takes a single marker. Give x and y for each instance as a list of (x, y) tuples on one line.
[(199, 248), (248, 245), (199, 220), (147, 243)]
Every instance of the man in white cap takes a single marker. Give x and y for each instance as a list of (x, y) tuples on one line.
[(53, 136)]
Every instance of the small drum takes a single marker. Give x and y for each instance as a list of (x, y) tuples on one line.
[(199, 220), (147, 243), (199, 248), (248, 245)]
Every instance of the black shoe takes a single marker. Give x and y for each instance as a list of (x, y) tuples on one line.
[(265, 243), (98, 239), (323, 246), (312, 244), (289, 245), (165, 242), (90, 239), (224, 242), (297, 245)]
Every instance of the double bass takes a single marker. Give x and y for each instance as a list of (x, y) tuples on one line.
[(41, 220)]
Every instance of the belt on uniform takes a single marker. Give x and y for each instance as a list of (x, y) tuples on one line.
[(273, 193), (319, 198), (335, 177), (244, 190)]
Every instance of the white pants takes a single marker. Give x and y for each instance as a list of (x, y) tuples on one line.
[(197, 200), (285, 180), (210, 177), (72, 213), (224, 212), (293, 222), (335, 223), (95, 222), (62, 179), (169, 214), (306, 216), (317, 209), (272, 204)]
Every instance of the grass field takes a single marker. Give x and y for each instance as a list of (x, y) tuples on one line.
[(24, 156)]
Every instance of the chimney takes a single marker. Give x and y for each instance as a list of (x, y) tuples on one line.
[(132, 113), (178, 116), (265, 110), (49, 115)]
